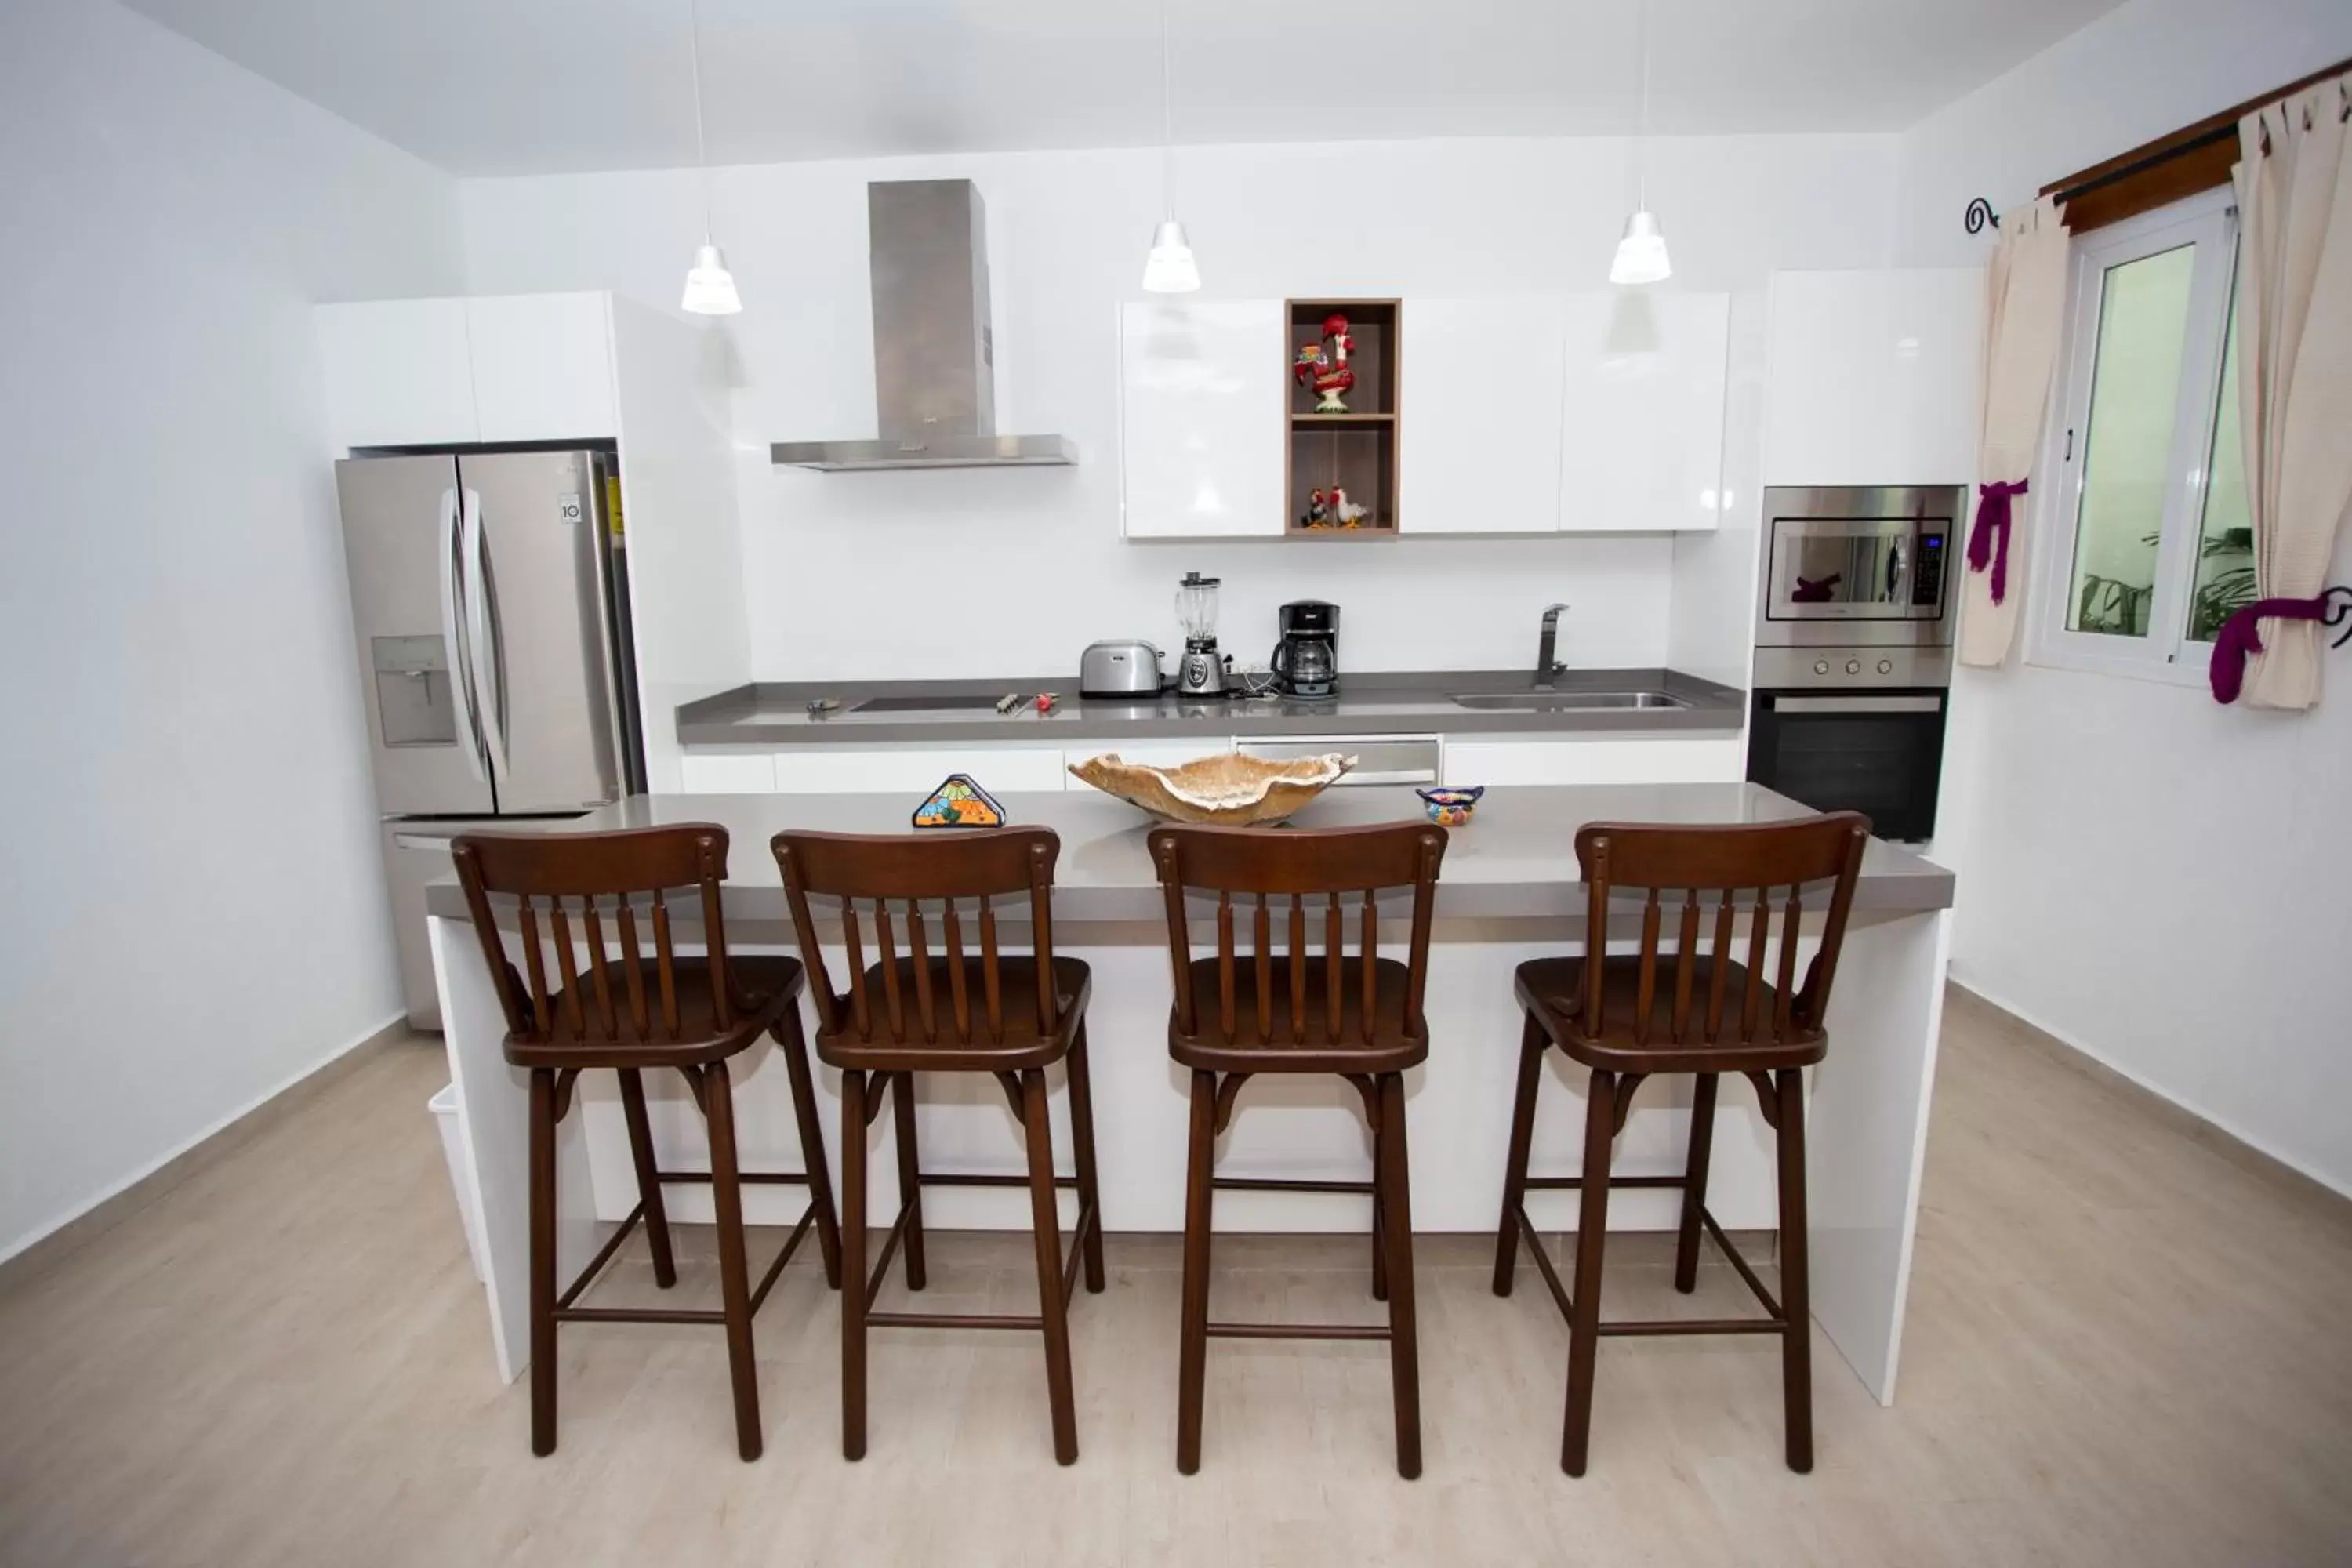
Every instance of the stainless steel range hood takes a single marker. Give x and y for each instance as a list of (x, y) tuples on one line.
[(934, 352)]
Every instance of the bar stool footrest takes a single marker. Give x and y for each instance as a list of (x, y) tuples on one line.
[(1298, 1331), (1776, 1322)]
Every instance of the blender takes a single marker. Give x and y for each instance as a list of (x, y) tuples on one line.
[(1200, 672)]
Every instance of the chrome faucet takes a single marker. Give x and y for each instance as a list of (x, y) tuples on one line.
[(1546, 666)]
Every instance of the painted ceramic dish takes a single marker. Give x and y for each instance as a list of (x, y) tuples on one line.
[(1450, 805), (1227, 789), (960, 802)]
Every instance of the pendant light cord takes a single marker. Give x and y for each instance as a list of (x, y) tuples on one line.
[(1167, 122), (1642, 141), (701, 149)]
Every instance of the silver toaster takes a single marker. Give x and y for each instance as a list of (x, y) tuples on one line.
[(1127, 668)]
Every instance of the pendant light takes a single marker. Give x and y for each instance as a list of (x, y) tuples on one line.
[(1168, 269), (1641, 254), (709, 287)]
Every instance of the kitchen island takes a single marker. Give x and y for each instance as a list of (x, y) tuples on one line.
[(1510, 892)]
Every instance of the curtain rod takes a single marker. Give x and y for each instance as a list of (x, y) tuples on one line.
[(2182, 143)]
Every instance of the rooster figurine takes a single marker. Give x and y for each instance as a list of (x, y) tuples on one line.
[(1324, 365), (1345, 513)]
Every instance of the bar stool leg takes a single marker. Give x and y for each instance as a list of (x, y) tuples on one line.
[(542, 1260), (1396, 1209), (795, 1045), (1082, 1135), (649, 1193), (1796, 1299), (1515, 1167), (1591, 1234), (734, 1271), (852, 1265), (911, 1176), (1047, 1221), (1702, 1143), (1380, 1215), (1193, 1339)]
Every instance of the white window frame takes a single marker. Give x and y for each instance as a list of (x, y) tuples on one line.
[(2208, 220)]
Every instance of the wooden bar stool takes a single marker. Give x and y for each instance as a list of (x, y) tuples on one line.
[(632, 1016), (1605, 1013), (1012, 1016), (1359, 1017)]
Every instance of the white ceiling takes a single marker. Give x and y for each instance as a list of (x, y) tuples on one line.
[(502, 86)]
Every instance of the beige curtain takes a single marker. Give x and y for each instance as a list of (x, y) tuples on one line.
[(2294, 366), (2024, 318)]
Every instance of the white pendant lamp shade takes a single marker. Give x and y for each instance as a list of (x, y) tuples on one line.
[(1170, 268), (709, 287), (1641, 254)]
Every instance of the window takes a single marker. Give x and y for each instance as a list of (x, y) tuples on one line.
[(2150, 544)]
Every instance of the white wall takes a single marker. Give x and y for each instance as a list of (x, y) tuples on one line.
[(1012, 573), (196, 909), (2151, 876)]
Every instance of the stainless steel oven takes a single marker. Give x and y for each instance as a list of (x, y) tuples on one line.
[(1854, 649)]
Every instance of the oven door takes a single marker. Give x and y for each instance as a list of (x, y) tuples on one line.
[(1855, 569), (1878, 753)]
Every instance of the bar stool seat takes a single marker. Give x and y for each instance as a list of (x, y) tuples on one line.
[(1550, 991), (587, 997), (1024, 1043), (765, 989), (1297, 1035), (1685, 1008)]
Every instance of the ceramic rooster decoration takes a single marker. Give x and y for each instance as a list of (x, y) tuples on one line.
[(1324, 365)]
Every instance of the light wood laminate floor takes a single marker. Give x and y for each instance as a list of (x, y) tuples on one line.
[(2123, 1346)]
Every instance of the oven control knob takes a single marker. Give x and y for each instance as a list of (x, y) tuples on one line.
[(1886, 667), (1853, 667), (1821, 666)]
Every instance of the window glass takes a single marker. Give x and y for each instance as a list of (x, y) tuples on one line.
[(2127, 444), (2225, 548)]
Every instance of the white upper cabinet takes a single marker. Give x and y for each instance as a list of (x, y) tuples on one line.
[(1480, 415), (542, 366), (397, 373), (445, 372), (1875, 377), (1203, 417), (1642, 448)]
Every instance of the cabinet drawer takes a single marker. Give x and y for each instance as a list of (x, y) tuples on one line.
[(727, 772), (1380, 760), (1715, 759), (916, 771)]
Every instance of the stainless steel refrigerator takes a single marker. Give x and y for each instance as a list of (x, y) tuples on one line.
[(490, 594)]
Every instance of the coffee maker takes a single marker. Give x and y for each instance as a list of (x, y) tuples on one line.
[(1306, 660)]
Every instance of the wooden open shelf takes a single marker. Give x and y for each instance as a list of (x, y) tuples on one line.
[(1356, 452)]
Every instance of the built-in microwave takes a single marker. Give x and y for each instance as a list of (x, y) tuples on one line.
[(1856, 565)]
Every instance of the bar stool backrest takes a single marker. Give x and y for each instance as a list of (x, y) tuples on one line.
[(906, 870), (618, 873), (1332, 865), (1717, 864)]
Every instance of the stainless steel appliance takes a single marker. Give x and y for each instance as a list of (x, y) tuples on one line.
[(1306, 660), (934, 350), (1128, 667), (1200, 672), (1854, 649), (489, 596)]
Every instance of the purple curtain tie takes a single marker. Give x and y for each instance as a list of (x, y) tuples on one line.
[(2240, 637), (1989, 542)]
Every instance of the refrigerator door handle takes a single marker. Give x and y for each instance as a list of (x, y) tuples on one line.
[(453, 594), (488, 673)]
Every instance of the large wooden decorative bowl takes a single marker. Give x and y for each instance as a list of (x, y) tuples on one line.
[(1226, 789)]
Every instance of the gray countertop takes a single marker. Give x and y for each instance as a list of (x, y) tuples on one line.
[(775, 714), (1515, 860)]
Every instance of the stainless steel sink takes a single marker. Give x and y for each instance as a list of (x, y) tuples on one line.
[(1562, 701)]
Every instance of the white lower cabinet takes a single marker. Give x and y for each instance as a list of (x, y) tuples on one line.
[(727, 772), (1648, 759), (915, 770)]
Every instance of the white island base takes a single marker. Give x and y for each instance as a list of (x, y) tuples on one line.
[(1511, 879)]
